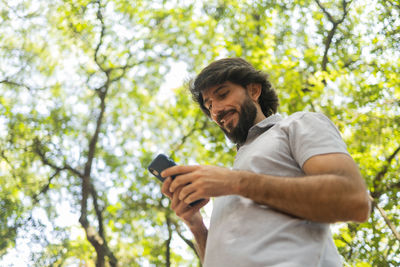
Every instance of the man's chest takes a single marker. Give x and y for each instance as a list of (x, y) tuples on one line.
[(269, 153)]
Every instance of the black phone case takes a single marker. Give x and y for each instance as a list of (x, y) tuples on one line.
[(160, 163)]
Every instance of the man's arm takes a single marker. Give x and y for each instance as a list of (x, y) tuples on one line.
[(332, 190), (200, 236), (191, 217)]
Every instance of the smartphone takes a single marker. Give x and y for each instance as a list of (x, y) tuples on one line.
[(160, 163)]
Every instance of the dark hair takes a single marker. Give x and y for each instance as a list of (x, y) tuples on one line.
[(238, 71)]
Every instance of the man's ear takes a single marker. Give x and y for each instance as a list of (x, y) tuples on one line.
[(254, 91)]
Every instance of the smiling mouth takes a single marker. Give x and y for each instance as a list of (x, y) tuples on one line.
[(226, 117)]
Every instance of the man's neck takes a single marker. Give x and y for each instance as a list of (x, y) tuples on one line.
[(260, 117)]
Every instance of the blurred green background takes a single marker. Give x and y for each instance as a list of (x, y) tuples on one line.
[(90, 91)]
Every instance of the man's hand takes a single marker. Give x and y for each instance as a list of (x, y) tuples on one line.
[(331, 189), (197, 182), (189, 214)]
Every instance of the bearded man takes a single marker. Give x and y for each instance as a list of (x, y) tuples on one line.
[(291, 178)]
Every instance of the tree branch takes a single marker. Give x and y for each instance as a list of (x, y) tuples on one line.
[(38, 150), (325, 11), (6, 81), (393, 186), (377, 193), (192, 130), (168, 241), (99, 214), (45, 188), (3, 156), (187, 241), (385, 217), (331, 33), (102, 32), (96, 238), (379, 176)]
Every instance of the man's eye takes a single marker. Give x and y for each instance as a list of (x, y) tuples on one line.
[(223, 94)]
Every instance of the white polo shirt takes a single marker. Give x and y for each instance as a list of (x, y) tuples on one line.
[(243, 233)]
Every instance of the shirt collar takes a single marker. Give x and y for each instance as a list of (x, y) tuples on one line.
[(262, 127)]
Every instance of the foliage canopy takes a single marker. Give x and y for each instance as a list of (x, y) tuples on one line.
[(82, 114)]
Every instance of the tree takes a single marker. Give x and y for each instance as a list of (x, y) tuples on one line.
[(74, 136), (81, 115)]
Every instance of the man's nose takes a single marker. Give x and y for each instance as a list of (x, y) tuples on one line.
[(216, 109)]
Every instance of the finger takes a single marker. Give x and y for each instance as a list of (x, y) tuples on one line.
[(176, 203), (179, 169), (192, 197), (186, 212), (165, 187), (175, 200), (186, 191), (182, 180), (200, 204)]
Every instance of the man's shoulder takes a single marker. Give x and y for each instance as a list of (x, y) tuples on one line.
[(305, 115), (289, 119), (305, 121)]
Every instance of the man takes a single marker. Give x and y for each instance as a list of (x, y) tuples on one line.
[(291, 178)]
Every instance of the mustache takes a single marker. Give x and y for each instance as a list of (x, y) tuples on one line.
[(223, 113)]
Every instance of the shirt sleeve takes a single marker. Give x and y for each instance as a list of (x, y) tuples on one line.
[(314, 134)]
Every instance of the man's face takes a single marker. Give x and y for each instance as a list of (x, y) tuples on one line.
[(232, 109)]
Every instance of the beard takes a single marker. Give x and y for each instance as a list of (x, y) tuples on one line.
[(247, 115)]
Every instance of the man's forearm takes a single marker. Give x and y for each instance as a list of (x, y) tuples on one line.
[(200, 235), (317, 198), (332, 190)]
